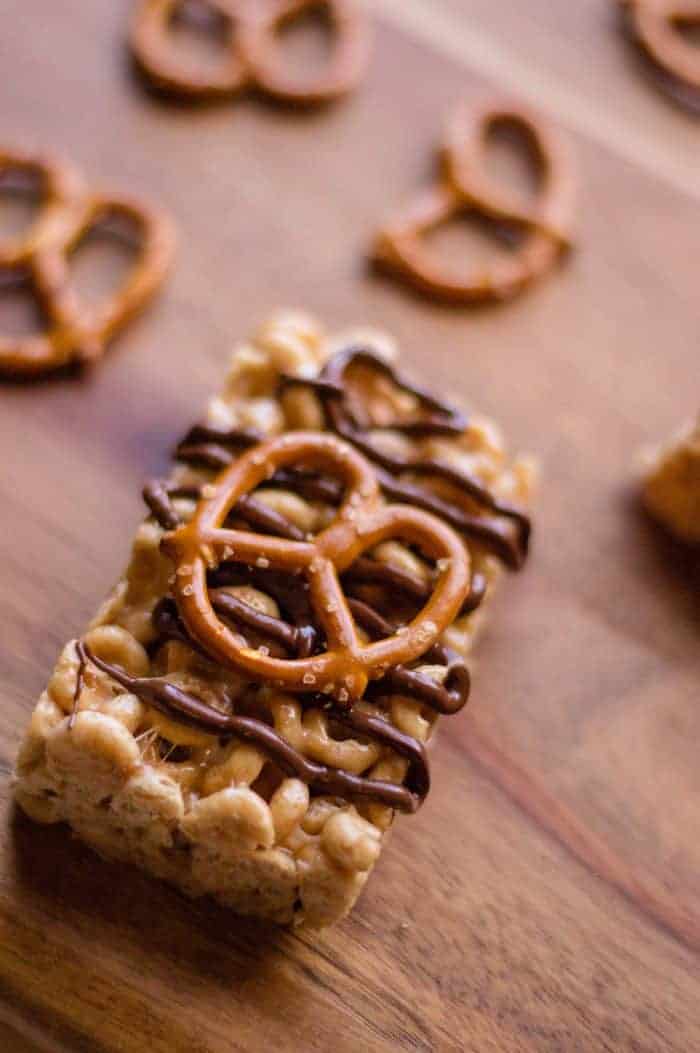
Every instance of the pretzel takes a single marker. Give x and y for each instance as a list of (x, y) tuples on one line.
[(343, 670), (74, 332), (252, 47), (61, 188), (654, 26), (465, 185)]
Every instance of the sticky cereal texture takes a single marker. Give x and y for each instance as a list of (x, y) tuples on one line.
[(671, 488), (219, 818)]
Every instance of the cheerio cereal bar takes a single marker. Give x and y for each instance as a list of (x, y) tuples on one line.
[(671, 490), (158, 751)]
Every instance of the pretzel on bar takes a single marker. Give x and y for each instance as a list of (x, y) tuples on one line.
[(253, 703), (252, 45), (75, 332), (345, 667), (465, 185), (654, 25)]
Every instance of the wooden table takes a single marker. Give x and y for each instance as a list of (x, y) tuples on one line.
[(548, 895)]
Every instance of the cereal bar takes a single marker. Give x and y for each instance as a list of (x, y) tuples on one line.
[(671, 489), (251, 706)]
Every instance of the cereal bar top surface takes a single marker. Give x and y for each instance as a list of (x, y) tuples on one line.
[(324, 777)]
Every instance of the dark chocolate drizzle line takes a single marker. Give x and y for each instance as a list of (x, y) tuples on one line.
[(301, 641), (310, 485), (158, 496), (445, 698), (79, 681), (159, 501), (213, 447), (290, 591), (257, 514), (207, 446), (441, 420), (191, 711), (375, 572)]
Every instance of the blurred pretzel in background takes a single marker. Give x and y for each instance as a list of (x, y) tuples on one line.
[(538, 232), (61, 188), (656, 28), (254, 54), (40, 258)]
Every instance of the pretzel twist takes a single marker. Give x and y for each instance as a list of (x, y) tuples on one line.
[(252, 51), (654, 26), (74, 332), (344, 668), (62, 188), (465, 185)]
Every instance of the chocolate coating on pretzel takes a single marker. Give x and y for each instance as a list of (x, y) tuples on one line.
[(187, 709)]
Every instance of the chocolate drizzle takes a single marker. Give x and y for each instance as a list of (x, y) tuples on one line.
[(446, 698), (299, 641), (374, 571), (79, 680), (159, 498), (342, 417), (499, 526), (191, 711)]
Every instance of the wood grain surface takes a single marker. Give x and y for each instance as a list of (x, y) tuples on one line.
[(547, 897)]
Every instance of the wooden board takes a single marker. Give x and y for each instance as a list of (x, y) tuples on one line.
[(547, 897)]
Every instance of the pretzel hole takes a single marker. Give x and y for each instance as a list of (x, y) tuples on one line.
[(304, 41), (471, 242), (199, 34), (513, 160), (21, 312), (22, 191), (103, 257)]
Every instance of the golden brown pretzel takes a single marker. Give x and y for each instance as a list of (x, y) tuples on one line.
[(654, 25), (465, 185), (60, 189), (363, 520), (252, 50), (75, 333)]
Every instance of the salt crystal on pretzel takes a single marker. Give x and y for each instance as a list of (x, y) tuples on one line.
[(252, 705)]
